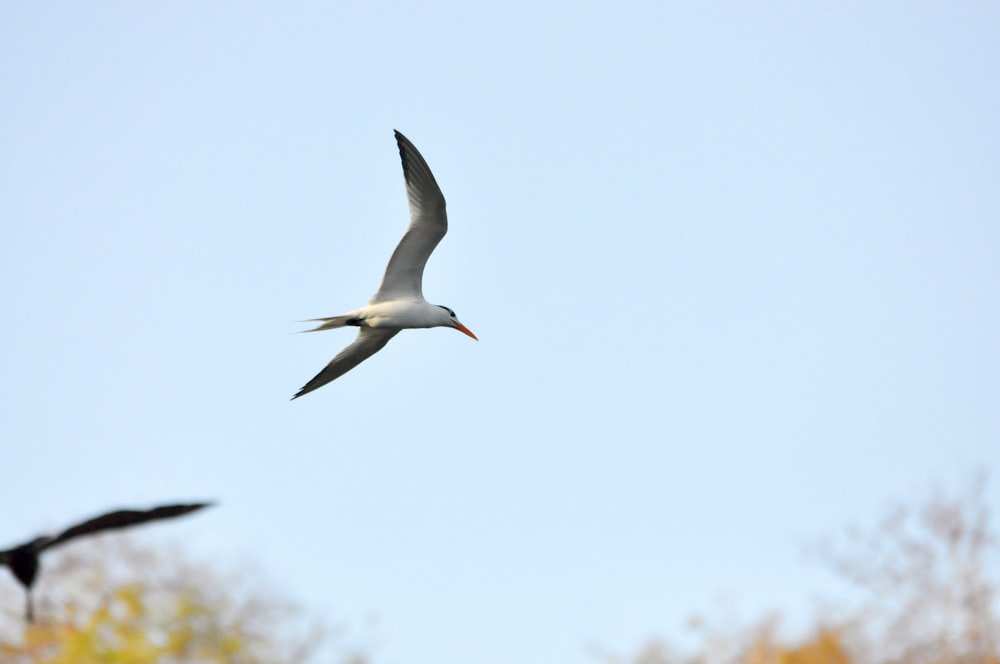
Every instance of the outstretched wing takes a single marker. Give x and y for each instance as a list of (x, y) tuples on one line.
[(428, 223), (369, 341), (121, 519)]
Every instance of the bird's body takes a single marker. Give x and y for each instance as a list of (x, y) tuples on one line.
[(394, 314), (24, 560), (399, 303)]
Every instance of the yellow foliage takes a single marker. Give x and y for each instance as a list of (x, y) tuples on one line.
[(132, 626), (95, 612), (824, 649)]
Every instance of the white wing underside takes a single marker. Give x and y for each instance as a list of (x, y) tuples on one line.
[(403, 277), (369, 341)]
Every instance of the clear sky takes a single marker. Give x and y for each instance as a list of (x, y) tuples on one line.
[(735, 270)]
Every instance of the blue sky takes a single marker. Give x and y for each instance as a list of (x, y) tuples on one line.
[(735, 271)]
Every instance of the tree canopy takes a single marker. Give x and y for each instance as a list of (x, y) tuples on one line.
[(112, 601)]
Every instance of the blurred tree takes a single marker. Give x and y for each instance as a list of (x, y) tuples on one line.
[(824, 647), (929, 586), (930, 578), (757, 646), (115, 602)]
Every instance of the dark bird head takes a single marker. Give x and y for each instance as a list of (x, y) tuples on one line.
[(24, 562)]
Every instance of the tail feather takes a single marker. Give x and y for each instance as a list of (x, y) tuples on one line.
[(331, 323)]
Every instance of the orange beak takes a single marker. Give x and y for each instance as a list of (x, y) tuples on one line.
[(464, 330)]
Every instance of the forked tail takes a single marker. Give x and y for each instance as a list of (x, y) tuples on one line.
[(331, 323)]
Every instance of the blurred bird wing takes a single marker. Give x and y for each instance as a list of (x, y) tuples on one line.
[(121, 519)]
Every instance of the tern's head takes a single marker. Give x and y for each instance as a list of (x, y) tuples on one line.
[(449, 319)]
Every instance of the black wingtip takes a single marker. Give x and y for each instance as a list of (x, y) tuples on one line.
[(180, 509), (402, 142)]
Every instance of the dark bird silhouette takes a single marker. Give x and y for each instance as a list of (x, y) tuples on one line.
[(23, 560)]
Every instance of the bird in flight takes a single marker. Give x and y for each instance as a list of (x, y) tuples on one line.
[(23, 560), (399, 303)]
